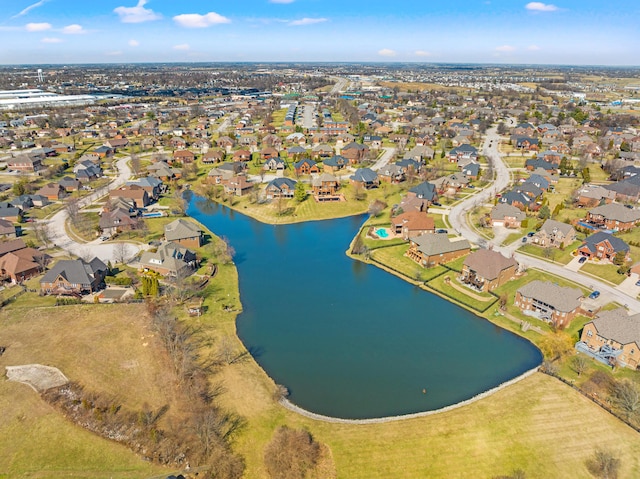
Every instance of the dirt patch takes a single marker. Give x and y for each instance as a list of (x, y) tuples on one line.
[(39, 377)]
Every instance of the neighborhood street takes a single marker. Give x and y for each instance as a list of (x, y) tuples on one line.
[(458, 219)]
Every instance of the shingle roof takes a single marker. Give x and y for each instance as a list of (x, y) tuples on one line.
[(74, 271), (550, 225), (561, 298), (365, 175), (181, 229), (488, 263), (503, 209), (432, 244), (424, 190), (616, 212), (600, 236), (618, 326)]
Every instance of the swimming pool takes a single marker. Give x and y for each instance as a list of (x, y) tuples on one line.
[(382, 233), (155, 214)]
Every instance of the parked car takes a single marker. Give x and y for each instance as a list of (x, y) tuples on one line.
[(638, 283), (531, 233), (104, 238), (524, 239), (582, 259), (441, 231), (594, 295)]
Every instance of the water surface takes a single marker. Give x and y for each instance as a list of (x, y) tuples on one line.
[(347, 339)]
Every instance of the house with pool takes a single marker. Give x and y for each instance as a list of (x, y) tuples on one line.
[(411, 224)]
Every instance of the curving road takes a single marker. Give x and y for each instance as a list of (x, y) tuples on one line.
[(105, 251), (458, 219)]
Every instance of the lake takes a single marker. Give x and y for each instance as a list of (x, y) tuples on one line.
[(350, 340)]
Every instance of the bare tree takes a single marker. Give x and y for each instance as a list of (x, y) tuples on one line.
[(627, 397), (42, 231), (579, 364), (136, 166), (121, 252), (73, 211), (291, 454), (603, 464)]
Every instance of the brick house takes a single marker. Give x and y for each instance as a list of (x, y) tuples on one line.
[(549, 302), (613, 216), (486, 270), (506, 215), (603, 246), (133, 192), (306, 167), (325, 186), (412, 223), (73, 277), (280, 188), (436, 249), (183, 232), (613, 336), (554, 233)]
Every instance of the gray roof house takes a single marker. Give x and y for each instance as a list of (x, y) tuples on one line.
[(365, 177), (183, 232), (549, 302), (170, 259), (73, 277), (554, 233)]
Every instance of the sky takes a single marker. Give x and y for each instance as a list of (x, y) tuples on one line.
[(568, 32)]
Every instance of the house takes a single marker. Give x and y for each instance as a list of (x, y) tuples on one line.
[(116, 220), (280, 188), (11, 213), (117, 143), (471, 170), (335, 163), (549, 302), (593, 195), (86, 171), (104, 151), (355, 152), (325, 187), (185, 233), (133, 192), (24, 163), (238, 185), (463, 152), (213, 156), (535, 163), (184, 156), (603, 246), (22, 264), (7, 229), (322, 151), (419, 198), (242, 155), (170, 259), (613, 337), (526, 143), (412, 223), (274, 164), (613, 216), (554, 234), (153, 186), (306, 166), (486, 270), (506, 215), (365, 178), (427, 250), (73, 277), (269, 152), (69, 184)]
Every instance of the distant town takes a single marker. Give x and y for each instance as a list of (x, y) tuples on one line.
[(510, 191)]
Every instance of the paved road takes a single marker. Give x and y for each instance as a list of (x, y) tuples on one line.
[(458, 219), (309, 116), (104, 251), (387, 156), (226, 123), (340, 85)]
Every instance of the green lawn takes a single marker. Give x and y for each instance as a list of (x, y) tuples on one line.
[(512, 237), (395, 259), (607, 272), (552, 254), (440, 285)]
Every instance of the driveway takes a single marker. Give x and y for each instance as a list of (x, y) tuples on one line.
[(574, 264), (628, 286)]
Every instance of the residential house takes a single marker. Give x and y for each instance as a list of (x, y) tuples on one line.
[(306, 166), (486, 270), (354, 152), (170, 259), (133, 192), (69, 184), (554, 234), (242, 155), (22, 264), (365, 178), (11, 213), (411, 224), (507, 215), (614, 338), (7, 229), (325, 187), (419, 198), (280, 188), (593, 195), (104, 151), (73, 277), (268, 153), (213, 156), (613, 216), (185, 233), (392, 174), (322, 151), (335, 163), (153, 186), (86, 171), (549, 302), (238, 185), (184, 156), (24, 163), (114, 220), (427, 250), (603, 246), (274, 164), (463, 152), (52, 192)]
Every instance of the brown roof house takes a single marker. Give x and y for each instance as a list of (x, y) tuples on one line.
[(614, 216), (133, 192), (183, 232), (554, 233), (486, 270), (549, 302), (52, 191), (433, 249), (613, 338), (22, 264), (412, 223), (73, 277), (325, 187), (507, 215)]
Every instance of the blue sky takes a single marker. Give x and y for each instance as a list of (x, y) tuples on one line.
[(492, 31)]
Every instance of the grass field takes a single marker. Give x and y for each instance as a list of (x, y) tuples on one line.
[(395, 259), (552, 254), (607, 272)]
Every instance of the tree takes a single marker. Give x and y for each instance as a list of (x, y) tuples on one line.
[(300, 193), (502, 128), (20, 187), (579, 364), (586, 175), (620, 258), (291, 454), (544, 212), (603, 464), (627, 397), (121, 252), (135, 164), (42, 231)]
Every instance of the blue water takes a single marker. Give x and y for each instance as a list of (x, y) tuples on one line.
[(152, 215), (382, 233), (348, 339)]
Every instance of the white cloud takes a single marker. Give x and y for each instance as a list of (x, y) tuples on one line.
[(137, 14), (387, 52), (26, 10), (307, 21), (51, 40), (422, 53), (505, 48), (182, 47), (37, 27), (281, 1), (133, 43), (73, 29), (195, 20), (533, 48), (540, 7)]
